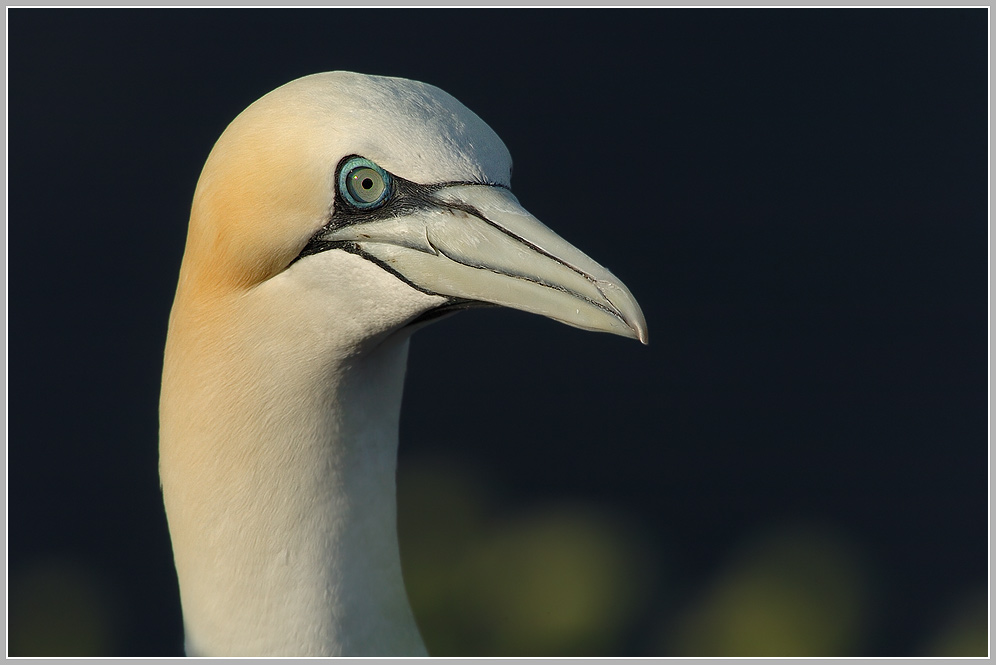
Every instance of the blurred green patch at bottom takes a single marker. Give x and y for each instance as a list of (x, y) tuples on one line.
[(557, 579), (59, 607), (795, 591)]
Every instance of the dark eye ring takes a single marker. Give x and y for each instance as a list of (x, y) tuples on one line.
[(363, 184)]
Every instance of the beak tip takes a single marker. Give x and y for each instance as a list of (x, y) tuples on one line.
[(640, 330), (625, 306)]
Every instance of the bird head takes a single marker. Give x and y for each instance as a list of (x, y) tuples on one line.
[(394, 190)]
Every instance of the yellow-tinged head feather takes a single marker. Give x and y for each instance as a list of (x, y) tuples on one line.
[(268, 184)]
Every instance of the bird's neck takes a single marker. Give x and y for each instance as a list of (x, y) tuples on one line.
[(278, 471)]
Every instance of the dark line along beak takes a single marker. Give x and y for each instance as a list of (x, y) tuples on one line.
[(480, 244)]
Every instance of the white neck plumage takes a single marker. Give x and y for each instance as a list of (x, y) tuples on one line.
[(278, 457)]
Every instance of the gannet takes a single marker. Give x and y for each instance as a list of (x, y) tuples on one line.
[(333, 217)]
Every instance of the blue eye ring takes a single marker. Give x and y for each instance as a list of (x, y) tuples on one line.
[(363, 184)]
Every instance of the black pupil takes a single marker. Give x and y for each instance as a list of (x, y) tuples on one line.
[(367, 183)]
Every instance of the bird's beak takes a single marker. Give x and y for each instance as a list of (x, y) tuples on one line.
[(475, 242)]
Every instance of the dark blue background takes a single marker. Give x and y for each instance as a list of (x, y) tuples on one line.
[(798, 199)]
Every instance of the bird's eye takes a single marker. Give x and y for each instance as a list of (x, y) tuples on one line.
[(363, 184)]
